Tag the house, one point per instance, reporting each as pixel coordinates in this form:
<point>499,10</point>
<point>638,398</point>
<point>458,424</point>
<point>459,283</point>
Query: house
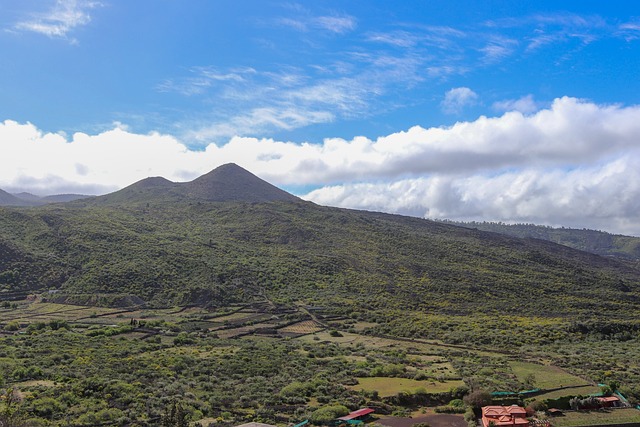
<point>500,416</point>
<point>609,401</point>
<point>356,417</point>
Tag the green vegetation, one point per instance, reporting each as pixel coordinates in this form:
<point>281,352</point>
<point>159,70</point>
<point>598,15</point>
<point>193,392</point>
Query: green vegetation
<point>597,242</point>
<point>160,304</point>
<point>392,386</point>
<point>544,376</point>
<point>597,418</point>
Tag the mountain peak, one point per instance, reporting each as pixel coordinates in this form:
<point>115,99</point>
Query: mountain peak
<point>231,182</point>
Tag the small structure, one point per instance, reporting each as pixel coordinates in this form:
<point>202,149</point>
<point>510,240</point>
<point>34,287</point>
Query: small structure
<point>503,416</point>
<point>609,401</point>
<point>356,417</point>
<point>555,412</point>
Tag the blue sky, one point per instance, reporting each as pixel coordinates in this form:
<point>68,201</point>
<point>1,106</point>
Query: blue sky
<point>518,111</point>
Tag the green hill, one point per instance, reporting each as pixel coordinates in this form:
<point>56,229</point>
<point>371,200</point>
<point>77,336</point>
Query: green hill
<point>597,242</point>
<point>166,245</point>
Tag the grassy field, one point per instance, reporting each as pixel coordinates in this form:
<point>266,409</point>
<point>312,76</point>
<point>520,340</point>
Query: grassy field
<point>578,391</point>
<point>545,377</point>
<point>431,347</point>
<point>597,418</point>
<point>304,327</point>
<point>391,386</point>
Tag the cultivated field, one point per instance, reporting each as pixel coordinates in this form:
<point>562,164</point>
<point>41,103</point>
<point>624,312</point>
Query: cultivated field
<point>301,328</point>
<point>574,391</point>
<point>392,386</point>
<point>597,418</point>
<point>545,376</point>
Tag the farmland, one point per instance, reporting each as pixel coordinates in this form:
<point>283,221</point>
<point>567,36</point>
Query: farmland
<point>597,418</point>
<point>391,386</point>
<point>100,358</point>
<point>544,376</point>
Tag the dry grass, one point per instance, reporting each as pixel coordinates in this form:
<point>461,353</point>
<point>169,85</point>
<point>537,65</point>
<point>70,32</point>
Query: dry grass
<point>304,327</point>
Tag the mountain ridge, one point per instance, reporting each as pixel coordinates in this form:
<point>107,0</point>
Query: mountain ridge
<point>214,253</point>
<point>228,182</point>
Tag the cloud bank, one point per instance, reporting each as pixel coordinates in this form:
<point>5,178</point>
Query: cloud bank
<point>573,164</point>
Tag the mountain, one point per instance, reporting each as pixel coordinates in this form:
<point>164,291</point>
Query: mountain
<point>7,199</point>
<point>230,182</point>
<point>227,183</point>
<point>229,237</point>
<point>63,198</point>
<point>597,242</point>
<point>28,199</point>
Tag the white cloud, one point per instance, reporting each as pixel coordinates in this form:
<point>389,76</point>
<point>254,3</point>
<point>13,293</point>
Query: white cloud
<point>457,99</point>
<point>497,49</point>
<point>574,164</point>
<point>336,24</point>
<point>525,105</point>
<point>65,16</point>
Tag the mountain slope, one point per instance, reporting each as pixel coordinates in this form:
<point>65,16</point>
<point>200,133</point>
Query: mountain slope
<point>226,183</point>
<point>7,199</point>
<point>230,182</point>
<point>155,242</point>
<point>593,241</point>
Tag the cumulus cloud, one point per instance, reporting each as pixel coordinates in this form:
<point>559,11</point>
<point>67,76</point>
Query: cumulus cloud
<point>457,99</point>
<point>573,164</point>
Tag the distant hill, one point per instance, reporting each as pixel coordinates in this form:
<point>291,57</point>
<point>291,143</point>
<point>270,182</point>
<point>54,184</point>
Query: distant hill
<point>63,198</point>
<point>7,199</point>
<point>28,199</point>
<point>226,183</point>
<point>230,182</point>
<point>597,242</point>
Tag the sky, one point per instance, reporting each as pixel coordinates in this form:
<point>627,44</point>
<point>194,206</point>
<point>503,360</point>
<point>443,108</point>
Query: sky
<point>512,111</point>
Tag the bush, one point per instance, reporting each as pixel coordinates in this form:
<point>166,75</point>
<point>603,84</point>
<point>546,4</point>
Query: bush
<point>448,409</point>
<point>14,325</point>
<point>326,414</point>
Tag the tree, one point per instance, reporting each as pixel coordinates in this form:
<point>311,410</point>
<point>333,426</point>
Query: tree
<point>176,416</point>
<point>327,414</point>
<point>530,381</point>
<point>478,398</point>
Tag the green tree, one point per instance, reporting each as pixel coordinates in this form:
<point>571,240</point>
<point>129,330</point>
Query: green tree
<point>478,398</point>
<point>327,414</point>
<point>175,416</point>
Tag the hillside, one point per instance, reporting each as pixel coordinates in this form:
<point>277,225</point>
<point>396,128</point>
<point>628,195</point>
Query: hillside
<point>170,246</point>
<point>28,199</point>
<point>7,199</point>
<point>597,242</point>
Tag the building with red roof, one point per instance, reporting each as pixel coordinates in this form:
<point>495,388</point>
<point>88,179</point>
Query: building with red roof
<point>503,416</point>
<point>359,415</point>
<point>609,401</point>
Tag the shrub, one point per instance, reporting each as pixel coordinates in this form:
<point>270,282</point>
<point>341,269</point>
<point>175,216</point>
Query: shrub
<point>326,414</point>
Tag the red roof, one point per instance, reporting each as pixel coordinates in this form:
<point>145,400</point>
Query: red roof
<point>503,416</point>
<point>356,414</point>
<point>609,399</point>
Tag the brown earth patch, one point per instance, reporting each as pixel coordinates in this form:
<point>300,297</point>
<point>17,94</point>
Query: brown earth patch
<point>436,420</point>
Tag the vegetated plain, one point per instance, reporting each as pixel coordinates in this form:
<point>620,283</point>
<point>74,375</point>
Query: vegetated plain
<point>164,292</point>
